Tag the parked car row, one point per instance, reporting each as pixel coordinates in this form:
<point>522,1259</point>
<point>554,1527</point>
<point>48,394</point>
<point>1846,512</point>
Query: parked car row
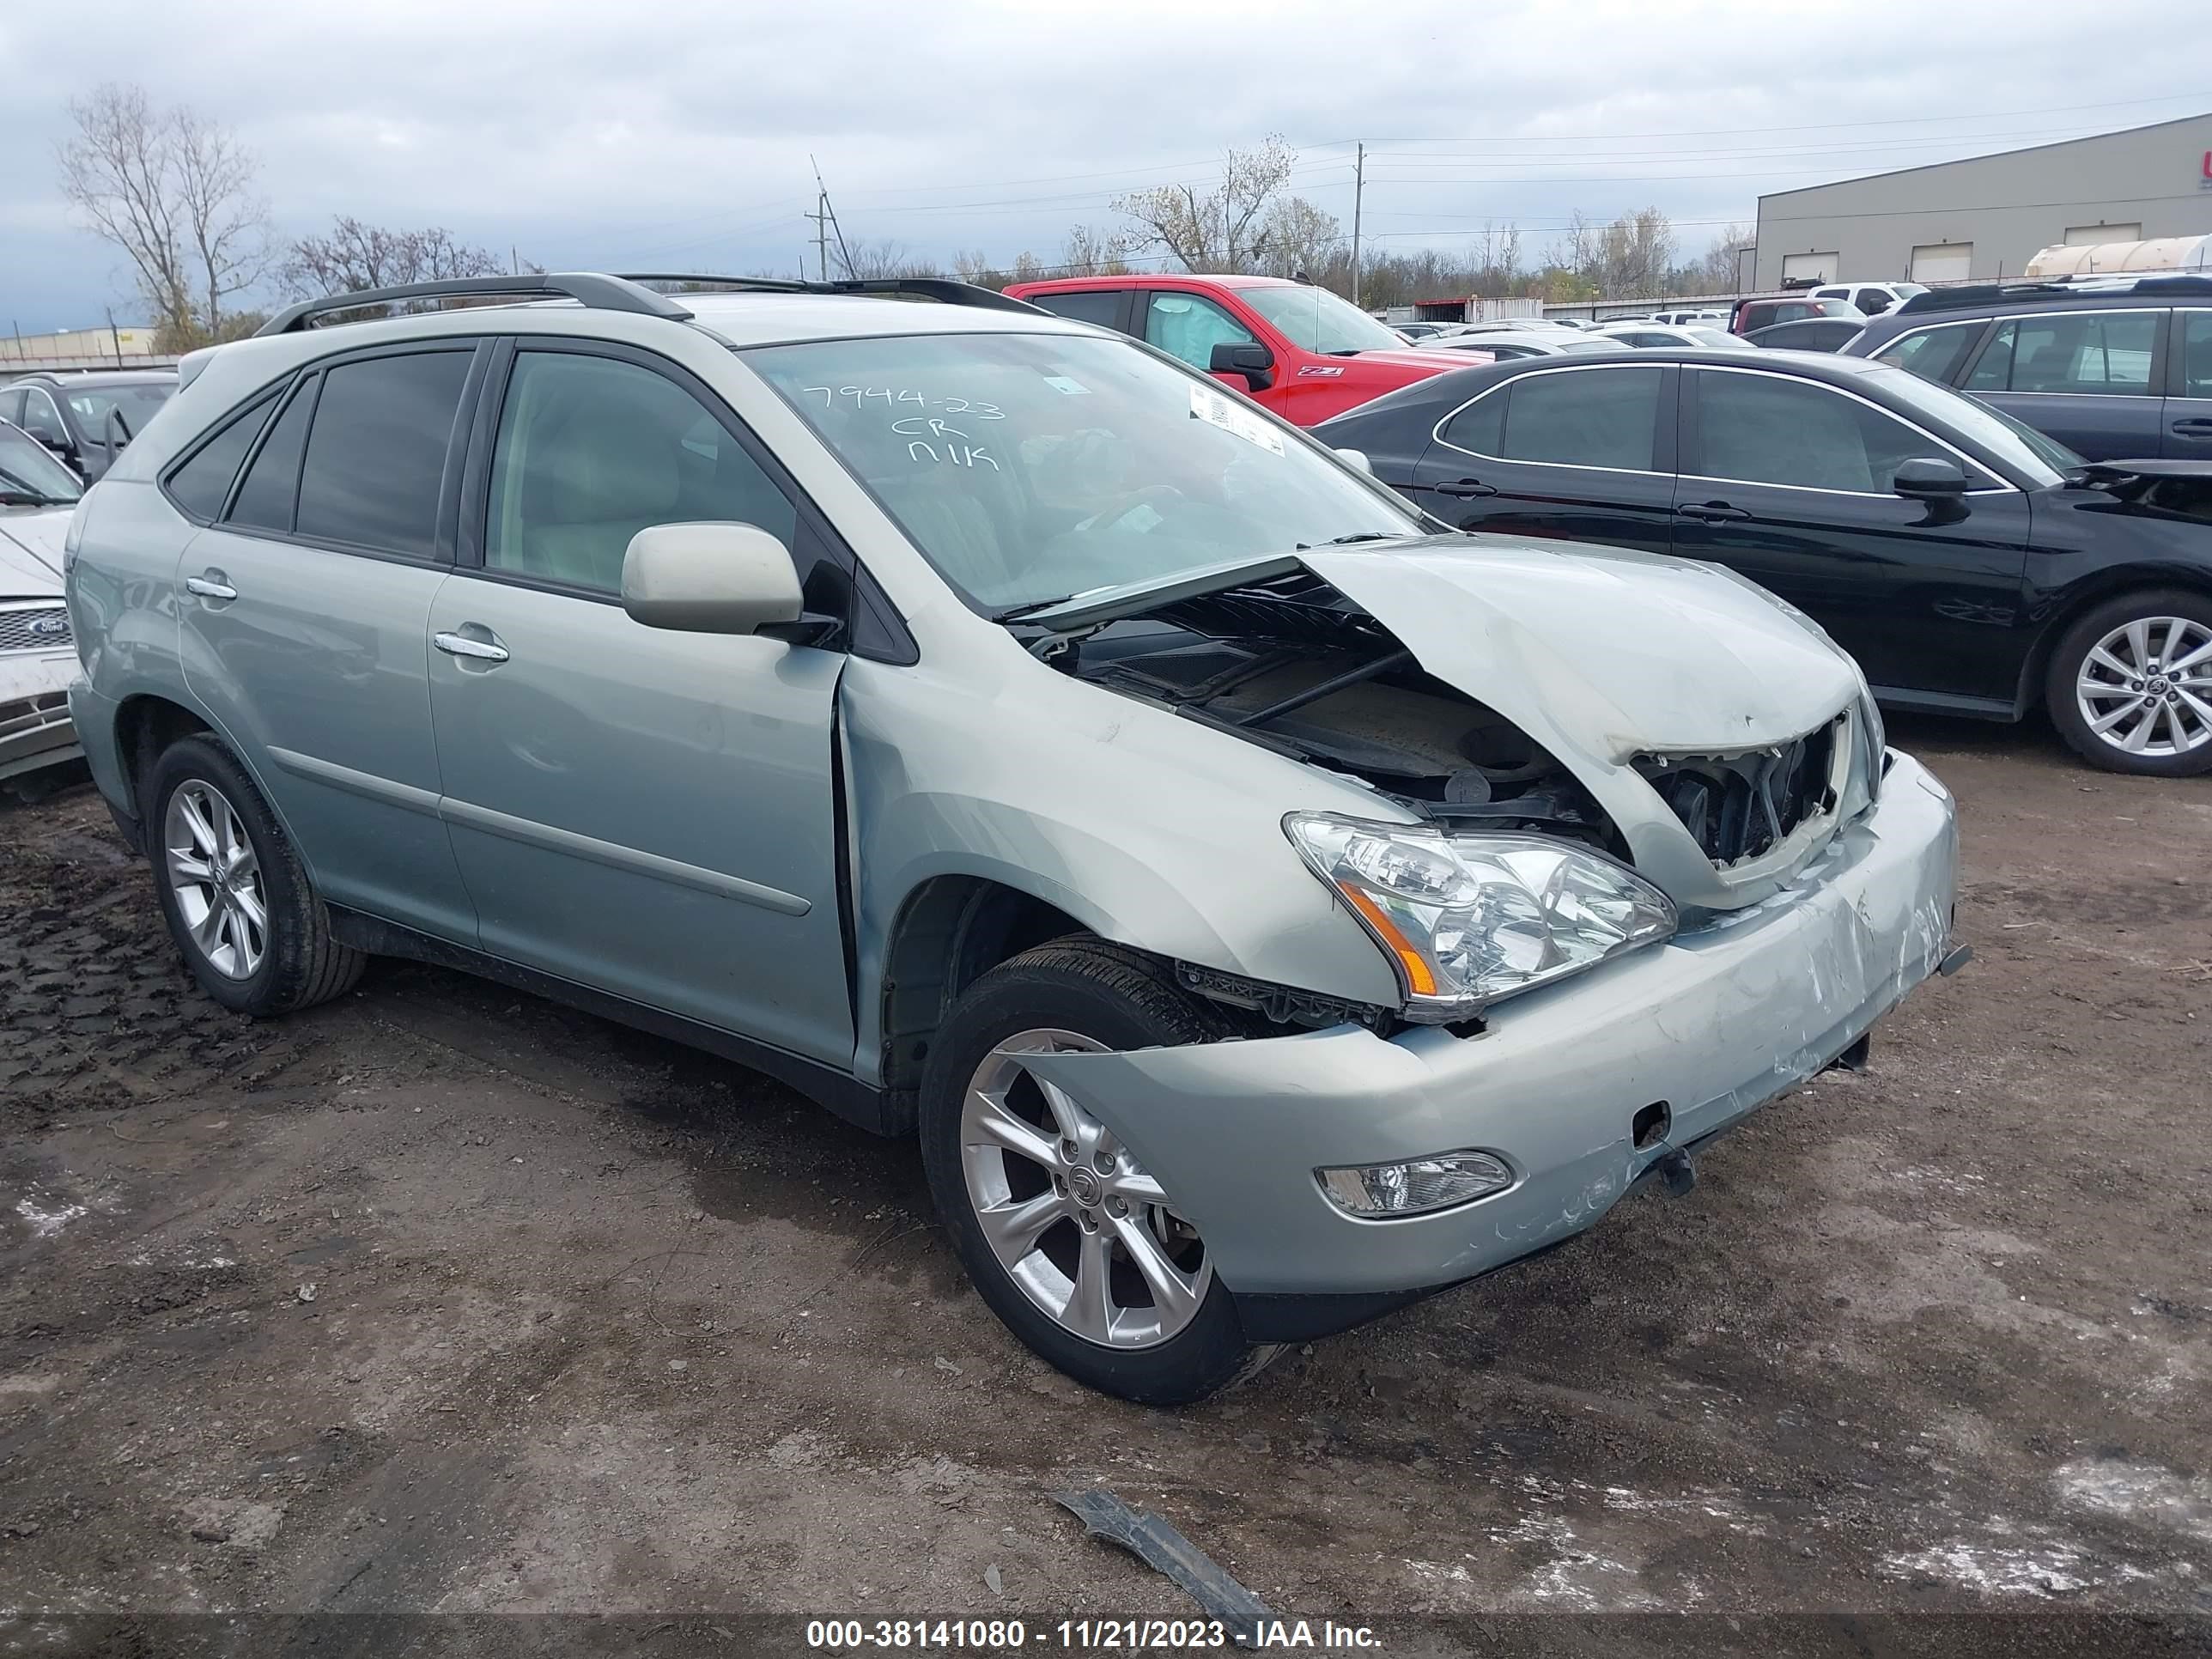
<point>1970,564</point>
<point>1263,904</point>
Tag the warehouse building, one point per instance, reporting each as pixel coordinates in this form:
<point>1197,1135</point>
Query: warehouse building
<point>1987,216</point>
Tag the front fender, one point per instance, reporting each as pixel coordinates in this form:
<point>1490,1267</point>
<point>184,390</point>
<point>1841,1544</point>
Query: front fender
<point>1150,830</point>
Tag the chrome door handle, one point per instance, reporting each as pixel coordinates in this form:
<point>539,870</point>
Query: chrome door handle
<point>1465,488</point>
<point>210,587</point>
<point>460,644</point>
<point>2193,429</point>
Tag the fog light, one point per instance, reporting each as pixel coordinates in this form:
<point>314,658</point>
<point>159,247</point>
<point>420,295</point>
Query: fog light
<point>1374,1191</point>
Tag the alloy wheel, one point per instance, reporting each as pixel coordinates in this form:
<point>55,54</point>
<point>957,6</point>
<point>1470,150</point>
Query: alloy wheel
<point>217,878</point>
<point>2146,688</point>
<point>1088,1236</point>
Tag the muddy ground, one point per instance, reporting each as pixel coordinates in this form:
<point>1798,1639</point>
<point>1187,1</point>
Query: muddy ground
<point>444,1300</point>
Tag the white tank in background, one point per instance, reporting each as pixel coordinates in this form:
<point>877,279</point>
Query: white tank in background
<point>2163,253</point>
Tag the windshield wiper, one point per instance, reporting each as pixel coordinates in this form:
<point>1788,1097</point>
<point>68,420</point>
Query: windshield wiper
<point>13,497</point>
<point>1356,536</point>
<point>1015,612</point>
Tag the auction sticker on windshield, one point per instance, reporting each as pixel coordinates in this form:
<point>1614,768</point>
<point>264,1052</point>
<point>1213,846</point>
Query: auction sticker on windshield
<point>1248,424</point>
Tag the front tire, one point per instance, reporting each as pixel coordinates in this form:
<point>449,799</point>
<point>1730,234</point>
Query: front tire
<point>232,890</point>
<point>1076,1247</point>
<point>2129,684</point>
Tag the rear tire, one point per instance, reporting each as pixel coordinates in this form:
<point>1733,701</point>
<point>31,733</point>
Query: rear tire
<point>1162,1330</point>
<point>232,890</point>
<point>2114,668</point>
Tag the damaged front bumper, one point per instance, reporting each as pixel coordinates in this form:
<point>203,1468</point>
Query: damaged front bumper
<point>1714,1023</point>
<point>35,732</point>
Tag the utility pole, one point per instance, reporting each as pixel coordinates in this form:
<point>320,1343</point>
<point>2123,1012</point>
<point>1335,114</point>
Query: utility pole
<point>825,215</point>
<point>1358,190</point>
<point>821,217</point>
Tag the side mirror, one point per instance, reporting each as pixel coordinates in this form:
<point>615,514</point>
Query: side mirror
<point>1929,477</point>
<point>1246,357</point>
<point>709,579</point>
<point>1355,457</point>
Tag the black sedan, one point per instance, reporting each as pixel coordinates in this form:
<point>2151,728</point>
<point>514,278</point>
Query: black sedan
<point>1971,565</point>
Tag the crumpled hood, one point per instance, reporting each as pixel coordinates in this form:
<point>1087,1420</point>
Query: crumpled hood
<point>1601,654</point>
<point>31,552</point>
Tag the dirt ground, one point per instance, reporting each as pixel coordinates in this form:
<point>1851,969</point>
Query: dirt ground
<point>443,1300</point>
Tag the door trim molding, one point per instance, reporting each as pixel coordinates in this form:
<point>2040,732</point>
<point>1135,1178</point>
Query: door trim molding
<point>530,833</point>
<point>367,784</point>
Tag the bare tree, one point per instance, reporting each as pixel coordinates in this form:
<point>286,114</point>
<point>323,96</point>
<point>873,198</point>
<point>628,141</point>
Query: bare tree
<point>1295,236</point>
<point>864,258</point>
<point>1719,271</point>
<point>1215,231</point>
<point>1636,255</point>
<point>1090,253</point>
<point>356,256</point>
<point>175,192</point>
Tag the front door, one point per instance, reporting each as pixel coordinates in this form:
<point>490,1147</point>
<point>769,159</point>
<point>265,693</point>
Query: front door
<point>645,812</point>
<point>1577,453</point>
<point>1189,326</point>
<point>1789,482</point>
<point>303,607</point>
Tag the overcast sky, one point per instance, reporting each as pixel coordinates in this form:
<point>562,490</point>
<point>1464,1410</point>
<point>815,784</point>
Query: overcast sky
<point>677,134</point>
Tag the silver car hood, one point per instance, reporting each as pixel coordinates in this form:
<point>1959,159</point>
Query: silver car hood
<point>31,552</point>
<point>1601,655</point>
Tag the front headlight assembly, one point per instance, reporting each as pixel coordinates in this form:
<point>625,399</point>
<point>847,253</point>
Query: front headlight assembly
<point>1471,918</point>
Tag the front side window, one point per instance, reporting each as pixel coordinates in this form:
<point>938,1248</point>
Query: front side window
<point>1605,417</point>
<point>42,419</point>
<point>1933,354</point>
<point>1187,326</point>
<point>376,457</point>
<point>1762,429</point>
<point>591,450</point>
<point>30,476</point>
<point>2107,352</point>
<point>1314,319</point>
<point>1027,467</point>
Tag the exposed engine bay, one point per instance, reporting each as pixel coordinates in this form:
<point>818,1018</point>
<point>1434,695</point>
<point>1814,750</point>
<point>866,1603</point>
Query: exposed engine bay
<point>1292,664</point>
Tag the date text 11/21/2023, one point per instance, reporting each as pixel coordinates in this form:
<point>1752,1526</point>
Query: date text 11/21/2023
<point>1084,1635</point>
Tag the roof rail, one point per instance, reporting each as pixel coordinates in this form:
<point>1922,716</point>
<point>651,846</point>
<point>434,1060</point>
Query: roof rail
<point>597,292</point>
<point>944,290</point>
<point>2089,286</point>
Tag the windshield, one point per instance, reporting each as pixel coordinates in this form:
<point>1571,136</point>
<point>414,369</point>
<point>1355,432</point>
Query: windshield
<point>1314,319</point>
<point>1029,467</point>
<point>90,404</point>
<point>2040,459</point>
<point>1715,336</point>
<point>28,475</point>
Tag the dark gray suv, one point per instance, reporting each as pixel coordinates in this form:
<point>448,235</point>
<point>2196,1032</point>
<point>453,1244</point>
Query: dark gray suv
<point>2113,369</point>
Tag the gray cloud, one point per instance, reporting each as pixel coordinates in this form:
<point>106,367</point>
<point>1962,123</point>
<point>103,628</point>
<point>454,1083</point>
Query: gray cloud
<point>680,133</point>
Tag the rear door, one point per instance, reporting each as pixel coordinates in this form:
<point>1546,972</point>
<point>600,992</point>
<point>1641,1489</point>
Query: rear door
<point>2188,434</point>
<point>1580,454</point>
<point>645,812</point>
<point>305,610</point>
<point>1789,482</point>
<point>2092,379</point>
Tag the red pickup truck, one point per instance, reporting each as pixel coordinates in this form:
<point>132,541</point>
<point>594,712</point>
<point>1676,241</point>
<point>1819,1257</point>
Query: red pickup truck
<point>1299,350</point>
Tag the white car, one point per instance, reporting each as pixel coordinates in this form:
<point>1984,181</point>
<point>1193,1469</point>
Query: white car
<point>38,657</point>
<point>1697,336</point>
<point>1506,343</point>
<point>1872,297</point>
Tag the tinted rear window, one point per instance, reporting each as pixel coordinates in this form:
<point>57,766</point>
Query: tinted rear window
<point>265,500</point>
<point>377,457</point>
<point>200,485</point>
<point>1102,306</point>
<point>1590,417</point>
